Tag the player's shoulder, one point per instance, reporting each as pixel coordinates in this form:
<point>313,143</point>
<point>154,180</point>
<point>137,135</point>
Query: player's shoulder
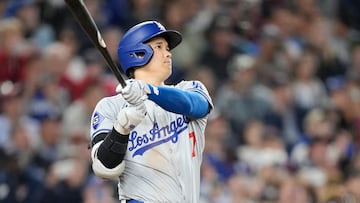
<point>196,86</point>
<point>190,84</point>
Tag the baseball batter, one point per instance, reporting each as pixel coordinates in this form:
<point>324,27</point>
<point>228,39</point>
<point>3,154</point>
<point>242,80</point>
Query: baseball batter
<point>150,136</point>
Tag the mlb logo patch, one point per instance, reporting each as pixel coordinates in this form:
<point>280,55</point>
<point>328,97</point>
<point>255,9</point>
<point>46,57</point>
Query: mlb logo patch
<point>96,120</point>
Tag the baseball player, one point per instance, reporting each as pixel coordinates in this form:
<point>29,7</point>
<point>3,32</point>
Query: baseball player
<point>150,136</point>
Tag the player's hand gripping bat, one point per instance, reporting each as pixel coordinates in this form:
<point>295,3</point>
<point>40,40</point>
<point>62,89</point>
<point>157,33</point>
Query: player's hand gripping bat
<point>83,17</point>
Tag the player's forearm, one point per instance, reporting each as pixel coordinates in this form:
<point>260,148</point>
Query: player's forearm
<point>112,151</point>
<point>108,155</point>
<point>189,103</point>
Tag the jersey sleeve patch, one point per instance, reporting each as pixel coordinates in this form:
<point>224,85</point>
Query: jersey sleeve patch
<point>96,120</point>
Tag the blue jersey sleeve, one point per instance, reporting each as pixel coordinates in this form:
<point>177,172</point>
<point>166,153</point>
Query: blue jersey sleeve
<point>189,103</point>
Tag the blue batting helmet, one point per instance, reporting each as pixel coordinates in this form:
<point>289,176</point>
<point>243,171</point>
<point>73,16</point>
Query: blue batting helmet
<point>133,50</point>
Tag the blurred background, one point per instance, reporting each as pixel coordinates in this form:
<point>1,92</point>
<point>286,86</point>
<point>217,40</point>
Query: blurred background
<point>284,76</point>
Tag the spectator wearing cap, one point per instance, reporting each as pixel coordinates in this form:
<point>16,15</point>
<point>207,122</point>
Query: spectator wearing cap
<point>242,98</point>
<point>35,30</point>
<point>220,48</point>
<point>14,50</point>
<point>308,90</point>
<point>13,115</point>
<point>279,41</point>
<point>317,126</point>
<point>48,150</point>
<point>283,115</point>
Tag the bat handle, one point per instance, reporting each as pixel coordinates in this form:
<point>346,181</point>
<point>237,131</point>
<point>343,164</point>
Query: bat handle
<point>120,79</point>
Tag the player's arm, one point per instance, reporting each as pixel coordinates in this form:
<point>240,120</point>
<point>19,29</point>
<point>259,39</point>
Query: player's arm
<point>191,102</point>
<point>108,150</point>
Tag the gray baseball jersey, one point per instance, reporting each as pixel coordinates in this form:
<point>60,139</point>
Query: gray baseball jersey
<point>162,162</point>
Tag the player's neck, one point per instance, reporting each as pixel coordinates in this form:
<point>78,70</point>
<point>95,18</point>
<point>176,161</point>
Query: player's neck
<point>148,78</point>
<point>151,80</point>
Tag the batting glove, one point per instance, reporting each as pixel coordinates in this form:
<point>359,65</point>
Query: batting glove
<point>129,117</point>
<point>135,91</point>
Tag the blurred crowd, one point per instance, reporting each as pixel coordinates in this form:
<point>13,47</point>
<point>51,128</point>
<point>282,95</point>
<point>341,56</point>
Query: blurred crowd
<point>284,76</point>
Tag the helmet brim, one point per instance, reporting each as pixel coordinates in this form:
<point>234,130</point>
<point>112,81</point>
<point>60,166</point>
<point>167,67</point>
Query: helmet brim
<point>172,37</point>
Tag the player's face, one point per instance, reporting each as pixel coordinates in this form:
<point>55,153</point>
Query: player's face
<point>160,63</point>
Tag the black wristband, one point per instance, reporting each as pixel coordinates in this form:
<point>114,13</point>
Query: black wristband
<point>112,151</point>
<point>116,142</point>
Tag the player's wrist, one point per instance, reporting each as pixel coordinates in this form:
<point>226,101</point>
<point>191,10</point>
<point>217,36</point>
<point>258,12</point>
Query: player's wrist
<point>118,137</point>
<point>116,141</point>
<point>120,129</point>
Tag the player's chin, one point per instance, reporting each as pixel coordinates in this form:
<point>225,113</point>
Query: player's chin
<point>168,71</point>
<point>168,67</point>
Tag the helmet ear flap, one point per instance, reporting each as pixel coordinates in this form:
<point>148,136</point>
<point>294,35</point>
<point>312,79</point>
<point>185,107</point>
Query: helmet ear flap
<point>135,55</point>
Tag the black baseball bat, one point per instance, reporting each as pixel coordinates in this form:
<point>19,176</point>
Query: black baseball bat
<point>87,23</point>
